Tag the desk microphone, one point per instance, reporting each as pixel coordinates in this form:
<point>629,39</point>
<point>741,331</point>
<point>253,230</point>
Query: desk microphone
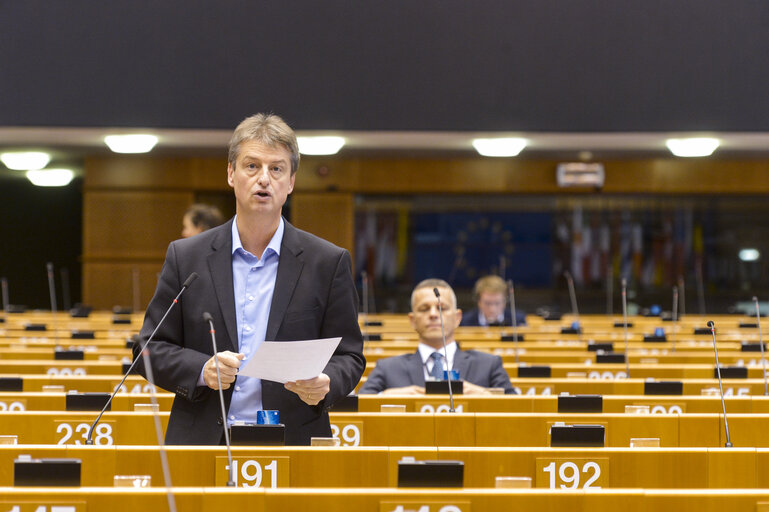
<point>511,290</point>
<point>445,352</point>
<point>761,341</point>
<point>4,286</point>
<point>156,416</point>
<point>624,321</point>
<point>207,317</point>
<point>682,290</point>
<point>136,289</point>
<point>675,318</point>
<point>700,287</point>
<point>364,285</point>
<point>720,385</point>
<point>66,302</point>
<point>187,283</point>
<point>52,294</point>
<point>573,297</point>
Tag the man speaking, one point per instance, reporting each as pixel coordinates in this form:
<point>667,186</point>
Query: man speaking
<point>261,279</point>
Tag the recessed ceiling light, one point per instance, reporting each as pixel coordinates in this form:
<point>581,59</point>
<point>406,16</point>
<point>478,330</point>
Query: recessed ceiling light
<point>695,146</point>
<point>507,146</point>
<point>133,143</point>
<point>50,177</point>
<point>326,145</point>
<point>749,254</point>
<point>25,160</point>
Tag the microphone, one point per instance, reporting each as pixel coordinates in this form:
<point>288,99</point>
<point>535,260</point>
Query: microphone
<point>720,385</point>
<point>156,417</point>
<point>675,318</point>
<point>364,285</point>
<point>700,287</point>
<point>445,352</point>
<point>682,289</point>
<point>624,319</point>
<point>761,341</point>
<point>52,294</point>
<point>207,317</point>
<point>136,289</point>
<point>187,283</point>
<point>4,285</point>
<point>65,295</point>
<point>511,291</point>
<point>573,297</point>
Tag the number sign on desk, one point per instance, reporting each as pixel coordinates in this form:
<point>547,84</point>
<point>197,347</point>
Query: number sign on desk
<point>544,390</point>
<point>70,432</point>
<point>18,404</point>
<point>424,506</point>
<point>572,473</point>
<point>433,406</point>
<point>37,506</point>
<point>267,472</point>
<point>349,434</point>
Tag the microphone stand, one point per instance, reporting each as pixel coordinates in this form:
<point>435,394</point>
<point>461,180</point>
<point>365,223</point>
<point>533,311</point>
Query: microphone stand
<point>4,286</point>
<point>720,386</point>
<point>207,317</point>
<point>511,291</point>
<point>674,334</point>
<point>682,288</point>
<point>761,341</point>
<point>573,297</point>
<point>624,319</point>
<point>52,294</point>
<point>364,285</point>
<point>187,283</point>
<point>159,430</point>
<point>445,352</point>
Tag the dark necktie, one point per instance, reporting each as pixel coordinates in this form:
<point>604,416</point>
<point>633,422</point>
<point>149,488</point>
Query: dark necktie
<point>437,371</point>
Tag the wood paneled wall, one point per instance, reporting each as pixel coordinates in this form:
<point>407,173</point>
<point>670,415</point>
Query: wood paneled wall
<point>132,206</point>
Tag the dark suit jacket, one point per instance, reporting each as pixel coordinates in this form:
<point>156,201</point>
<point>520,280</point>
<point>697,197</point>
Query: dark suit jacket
<point>314,297</point>
<point>470,318</point>
<point>477,367</point>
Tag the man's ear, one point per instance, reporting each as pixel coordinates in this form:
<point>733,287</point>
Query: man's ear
<point>411,321</point>
<point>457,317</point>
<point>291,183</point>
<point>230,172</point>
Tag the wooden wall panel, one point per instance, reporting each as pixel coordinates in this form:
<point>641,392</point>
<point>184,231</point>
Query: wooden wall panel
<point>107,284</point>
<point>129,225</point>
<point>328,215</point>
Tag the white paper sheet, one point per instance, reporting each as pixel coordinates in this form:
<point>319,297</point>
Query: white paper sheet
<point>286,361</point>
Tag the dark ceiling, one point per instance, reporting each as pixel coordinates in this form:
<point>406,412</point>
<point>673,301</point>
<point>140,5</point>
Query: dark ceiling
<point>455,65</point>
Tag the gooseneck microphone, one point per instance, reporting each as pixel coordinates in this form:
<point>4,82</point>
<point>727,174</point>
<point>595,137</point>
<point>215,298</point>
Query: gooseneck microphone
<point>207,317</point>
<point>673,335</point>
<point>4,286</point>
<point>511,290</point>
<point>573,297</point>
<point>720,385</point>
<point>364,286</point>
<point>445,352</point>
<point>187,283</point>
<point>761,341</point>
<point>682,290</point>
<point>624,321</point>
<point>52,294</point>
<point>158,427</point>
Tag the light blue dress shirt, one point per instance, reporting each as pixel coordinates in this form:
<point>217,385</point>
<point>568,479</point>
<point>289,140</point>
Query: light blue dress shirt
<point>253,279</point>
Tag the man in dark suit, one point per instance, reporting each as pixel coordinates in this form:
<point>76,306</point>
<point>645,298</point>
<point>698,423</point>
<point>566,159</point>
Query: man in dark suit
<point>406,374</point>
<point>491,295</point>
<point>261,279</point>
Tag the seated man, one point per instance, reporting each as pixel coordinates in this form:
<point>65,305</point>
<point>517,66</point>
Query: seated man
<point>491,294</point>
<point>406,374</point>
